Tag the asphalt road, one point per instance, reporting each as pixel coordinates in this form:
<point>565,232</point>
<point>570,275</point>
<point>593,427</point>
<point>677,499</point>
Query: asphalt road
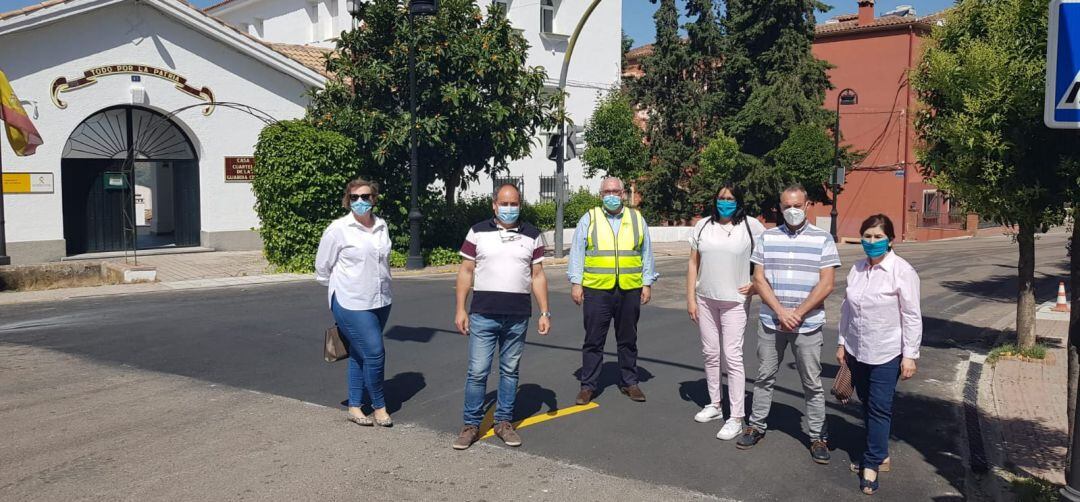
<point>268,339</point>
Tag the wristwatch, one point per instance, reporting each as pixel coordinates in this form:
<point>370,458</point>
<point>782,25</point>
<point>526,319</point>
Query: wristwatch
<point>545,314</point>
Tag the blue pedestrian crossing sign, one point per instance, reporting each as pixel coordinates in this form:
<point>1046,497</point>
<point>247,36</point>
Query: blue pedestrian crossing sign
<point>1062,107</point>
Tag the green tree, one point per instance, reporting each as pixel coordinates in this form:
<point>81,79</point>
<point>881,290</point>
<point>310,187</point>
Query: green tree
<point>807,156</point>
<point>479,104</point>
<point>721,160</point>
<point>627,44</point>
<point>772,83</point>
<point>982,82</point>
<point>673,90</point>
<point>613,142</point>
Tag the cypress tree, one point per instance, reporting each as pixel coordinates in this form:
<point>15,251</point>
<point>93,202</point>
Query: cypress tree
<point>772,81</point>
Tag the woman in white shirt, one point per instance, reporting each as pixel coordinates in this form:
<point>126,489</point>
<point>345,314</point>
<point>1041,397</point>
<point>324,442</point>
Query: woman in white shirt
<point>354,262</point>
<point>880,334</point>
<point>718,292</point>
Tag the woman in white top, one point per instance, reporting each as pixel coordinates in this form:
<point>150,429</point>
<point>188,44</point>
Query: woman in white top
<point>880,334</point>
<point>718,292</point>
<point>354,262</point>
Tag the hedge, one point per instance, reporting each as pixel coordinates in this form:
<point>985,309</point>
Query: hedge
<point>300,172</point>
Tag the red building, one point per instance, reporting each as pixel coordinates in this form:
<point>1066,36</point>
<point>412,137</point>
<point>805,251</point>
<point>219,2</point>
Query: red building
<point>873,56</point>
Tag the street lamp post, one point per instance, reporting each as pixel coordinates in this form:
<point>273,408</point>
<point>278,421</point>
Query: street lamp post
<point>560,173</point>
<point>845,97</point>
<point>416,258</point>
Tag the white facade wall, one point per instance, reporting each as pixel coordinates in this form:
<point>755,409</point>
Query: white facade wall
<point>595,69</point>
<point>133,33</point>
<point>301,22</point>
<point>596,66</point>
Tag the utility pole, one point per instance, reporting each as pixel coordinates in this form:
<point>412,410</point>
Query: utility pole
<point>560,159</point>
<point>4,258</point>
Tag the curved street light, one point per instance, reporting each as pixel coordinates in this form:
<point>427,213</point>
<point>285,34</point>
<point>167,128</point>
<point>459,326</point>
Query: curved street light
<point>560,174</point>
<point>846,97</point>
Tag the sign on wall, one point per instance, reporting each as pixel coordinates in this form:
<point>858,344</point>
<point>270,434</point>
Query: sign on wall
<point>15,183</point>
<point>62,84</point>
<point>239,169</point>
<point>1061,109</point>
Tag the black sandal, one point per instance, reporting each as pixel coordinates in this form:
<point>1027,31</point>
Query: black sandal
<point>868,487</point>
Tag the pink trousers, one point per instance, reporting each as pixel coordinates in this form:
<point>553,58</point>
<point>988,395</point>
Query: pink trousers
<point>722,325</point>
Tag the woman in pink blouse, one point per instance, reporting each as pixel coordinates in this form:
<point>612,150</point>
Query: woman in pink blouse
<point>880,334</point>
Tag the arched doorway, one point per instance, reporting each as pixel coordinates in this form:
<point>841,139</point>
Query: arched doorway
<point>130,180</point>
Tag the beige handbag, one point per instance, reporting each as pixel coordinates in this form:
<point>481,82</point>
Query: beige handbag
<point>334,348</point>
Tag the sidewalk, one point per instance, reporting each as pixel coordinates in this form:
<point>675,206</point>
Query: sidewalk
<point>232,268</point>
<point>1028,407</point>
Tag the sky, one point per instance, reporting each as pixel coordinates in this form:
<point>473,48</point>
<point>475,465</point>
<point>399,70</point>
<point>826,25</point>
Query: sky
<point>637,14</point>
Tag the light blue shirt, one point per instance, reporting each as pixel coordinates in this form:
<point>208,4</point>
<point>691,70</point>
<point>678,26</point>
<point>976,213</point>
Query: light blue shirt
<point>576,267</point>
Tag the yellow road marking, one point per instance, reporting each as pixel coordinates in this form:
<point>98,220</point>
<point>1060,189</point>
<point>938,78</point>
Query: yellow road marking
<point>485,426</point>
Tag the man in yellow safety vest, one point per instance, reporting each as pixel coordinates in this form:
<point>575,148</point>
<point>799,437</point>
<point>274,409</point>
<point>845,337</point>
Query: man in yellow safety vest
<point>611,270</point>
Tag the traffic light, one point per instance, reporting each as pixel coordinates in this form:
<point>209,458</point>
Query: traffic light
<point>553,145</point>
<point>575,142</point>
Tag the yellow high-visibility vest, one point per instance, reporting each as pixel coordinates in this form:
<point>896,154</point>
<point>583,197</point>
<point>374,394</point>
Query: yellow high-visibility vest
<point>611,259</point>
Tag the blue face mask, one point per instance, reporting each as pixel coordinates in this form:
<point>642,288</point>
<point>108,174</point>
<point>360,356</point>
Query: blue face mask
<point>612,202</point>
<point>361,207</point>
<point>875,249</point>
<point>509,214</point>
<point>726,208</point>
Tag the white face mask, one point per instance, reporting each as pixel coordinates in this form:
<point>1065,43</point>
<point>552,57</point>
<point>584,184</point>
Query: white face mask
<point>794,216</point>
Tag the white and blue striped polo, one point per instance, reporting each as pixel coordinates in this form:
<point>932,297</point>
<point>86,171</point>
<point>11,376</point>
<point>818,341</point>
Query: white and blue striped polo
<point>793,261</point>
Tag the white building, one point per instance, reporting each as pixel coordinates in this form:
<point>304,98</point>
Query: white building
<point>547,24</point>
<point>98,76</point>
<point>119,90</point>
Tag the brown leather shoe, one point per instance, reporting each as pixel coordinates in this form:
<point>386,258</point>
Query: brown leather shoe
<point>469,435</point>
<point>634,393</point>
<point>505,431</point>
<point>584,397</point>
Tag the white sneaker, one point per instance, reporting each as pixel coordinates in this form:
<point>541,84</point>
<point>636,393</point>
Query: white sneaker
<point>731,429</point>
<point>709,413</point>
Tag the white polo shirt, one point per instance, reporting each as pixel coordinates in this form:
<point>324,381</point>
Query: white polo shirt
<point>502,282</point>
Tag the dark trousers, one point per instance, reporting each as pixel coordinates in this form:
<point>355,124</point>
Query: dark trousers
<point>600,308</point>
<point>876,385</point>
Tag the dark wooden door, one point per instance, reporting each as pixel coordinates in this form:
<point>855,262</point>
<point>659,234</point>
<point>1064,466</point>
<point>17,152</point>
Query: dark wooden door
<point>94,216</point>
<point>186,202</point>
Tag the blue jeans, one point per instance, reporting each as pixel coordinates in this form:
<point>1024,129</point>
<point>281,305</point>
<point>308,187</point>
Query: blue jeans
<point>876,386</point>
<point>484,332</point>
<point>362,331</point>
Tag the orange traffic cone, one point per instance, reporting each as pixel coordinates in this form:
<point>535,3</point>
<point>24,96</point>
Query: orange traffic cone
<point>1062,303</point>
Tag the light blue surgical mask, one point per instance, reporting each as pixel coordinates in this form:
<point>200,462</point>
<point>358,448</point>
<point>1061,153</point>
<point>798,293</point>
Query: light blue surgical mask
<point>612,202</point>
<point>509,214</point>
<point>726,208</point>
<point>361,207</point>
<point>875,249</point>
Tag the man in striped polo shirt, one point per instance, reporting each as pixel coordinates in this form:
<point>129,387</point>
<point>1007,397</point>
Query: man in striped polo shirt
<point>503,264</point>
<point>795,264</point>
